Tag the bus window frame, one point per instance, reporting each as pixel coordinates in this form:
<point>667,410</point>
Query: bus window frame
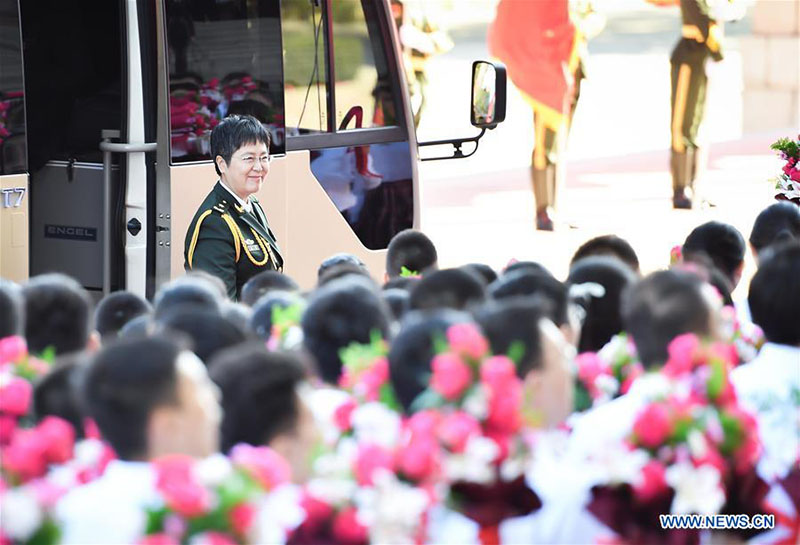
<point>398,132</point>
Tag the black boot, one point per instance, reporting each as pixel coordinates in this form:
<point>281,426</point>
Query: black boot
<point>680,168</point>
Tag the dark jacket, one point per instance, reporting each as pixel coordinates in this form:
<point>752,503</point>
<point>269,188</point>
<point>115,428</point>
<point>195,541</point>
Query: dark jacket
<point>230,243</point>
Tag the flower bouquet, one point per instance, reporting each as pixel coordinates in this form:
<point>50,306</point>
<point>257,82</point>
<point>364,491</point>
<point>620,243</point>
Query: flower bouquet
<point>692,450</point>
<point>470,422</point>
<point>787,184</point>
<point>286,332</point>
<point>607,374</point>
<point>214,500</point>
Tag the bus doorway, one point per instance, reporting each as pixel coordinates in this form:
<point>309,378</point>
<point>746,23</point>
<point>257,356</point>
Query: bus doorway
<point>84,83</point>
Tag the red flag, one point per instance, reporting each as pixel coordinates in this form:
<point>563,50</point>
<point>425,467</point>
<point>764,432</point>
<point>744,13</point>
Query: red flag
<point>539,46</point>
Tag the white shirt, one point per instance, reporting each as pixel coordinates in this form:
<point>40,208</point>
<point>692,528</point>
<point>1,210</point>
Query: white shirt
<point>769,386</point>
<point>110,510</point>
<point>246,204</point>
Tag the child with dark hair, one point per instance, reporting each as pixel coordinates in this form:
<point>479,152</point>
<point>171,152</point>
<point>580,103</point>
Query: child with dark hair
<point>263,402</point>
<point>11,309</point>
<point>209,332</point>
<point>519,327</point>
<point>405,283</point>
<point>610,245</point>
<point>483,270</point>
<point>117,309</point>
<point>342,270</point>
<point>411,250</point>
<point>263,311</point>
<point>533,283</point>
<point>458,289</point>
<point>58,314</point>
<point>413,349</point>
<point>149,398</point>
<point>344,311</point>
<point>602,317</point>
<point>769,385</point>
<point>529,266</point>
<point>339,259</point>
<point>722,243</point>
<point>187,291</point>
<point>777,223</point>
<point>398,301</point>
<point>265,282</point>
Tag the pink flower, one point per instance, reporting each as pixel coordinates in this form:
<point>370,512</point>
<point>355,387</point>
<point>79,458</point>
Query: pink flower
<point>590,366</point>
<point>418,460</point>
<point>47,493</point>
<point>25,456</point>
<point>653,425</point>
<point>342,414</point>
<point>12,349</point>
<point>505,407</point>
<point>182,493</point>
<point>682,352</point>
<point>213,538</point>
<point>241,518</point>
<point>467,340</point>
<point>159,539</point>
<point>424,423</point>
<point>264,464</point>
<point>175,525</point>
<point>15,396</point>
<point>451,376</point>
<point>373,378</point>
<point>634,371</point>
<point>369,459</point>
<point>347,528</point>
<point>653,481</point>
<point>60,439</point>
<point>456,429</point>
<point>498,372</point>
<point>317,512</point>
<point>795,175</point>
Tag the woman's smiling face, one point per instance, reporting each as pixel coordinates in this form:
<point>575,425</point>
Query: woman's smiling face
<point>248,167</point>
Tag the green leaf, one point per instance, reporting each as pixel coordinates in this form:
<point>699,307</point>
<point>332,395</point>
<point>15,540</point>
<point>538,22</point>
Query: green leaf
<point>440,344</point>
<point>716,381</point>
<point>48,354</point>
<point>387,397</point>
<point>48,534</point>
<point>583,400</point>
<point>429,399</point>
<point>516,352</point>
<point>405,273</point>
<point>155,520</point>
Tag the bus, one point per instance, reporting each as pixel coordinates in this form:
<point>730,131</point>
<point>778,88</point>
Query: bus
<point>106,108</point>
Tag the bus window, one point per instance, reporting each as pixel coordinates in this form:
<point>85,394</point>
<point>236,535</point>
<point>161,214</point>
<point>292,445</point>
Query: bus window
<point>364,95</point>
<point>13,158</point>
<point>224,58</point>
<point>305,67</point>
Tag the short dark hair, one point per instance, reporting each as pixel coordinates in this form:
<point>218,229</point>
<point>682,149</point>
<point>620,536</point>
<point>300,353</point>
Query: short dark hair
<point>232,133</point>
<point>411,249</point>
<point>774,296</point>
<point>660,307</point>
<point>338,259</point>
<point>187,292</point>
<point>125,382</point>
<point>603,318</point>
<point>527,282</point>
<point>722,243</point>
<point>263,283</point>
<point>57,393</point>
<point>205,277</point>
<point>259,394</point>
<point>117,309</point>
<point>209,332</point>
<point>529,266</point>
<point>608,245</point>
<point>514,321</point>
<point>398,301</point>
<point>413,349</point>
<point>345,311</point>
<point>483,270</point>
<point>11,309</point>
<point>448,288</point>
<point>342,270</point>
<point>261,319</point>
<point>57,314</point>
<point>779,222</point>
<point>405,283</point>
<point>141,326</point>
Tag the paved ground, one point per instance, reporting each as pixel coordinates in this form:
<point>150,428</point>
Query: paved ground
<point>481,208</point>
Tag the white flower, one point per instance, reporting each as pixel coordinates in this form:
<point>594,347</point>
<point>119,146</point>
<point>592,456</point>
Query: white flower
<point>332,491</point>
<point>512,468</point>
<point>616,464</point>
<point>375,423</point>
<point>88,452</point>
<point>278,513</point>
<point>391,509</point>
<point>20,513</point>
<point>212,471</point>
<point>608,386</point>
<point>64,477</point>
<point>698,446</point>
<point>697,490</point>
<point>475,463</point>
<point>293,338</point>
<point>477,402</point>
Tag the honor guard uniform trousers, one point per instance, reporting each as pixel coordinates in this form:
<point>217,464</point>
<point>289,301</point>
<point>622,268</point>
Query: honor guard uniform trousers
<point>701,39</point>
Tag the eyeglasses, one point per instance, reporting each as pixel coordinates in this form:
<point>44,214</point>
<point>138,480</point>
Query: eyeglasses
<point>251,159</point>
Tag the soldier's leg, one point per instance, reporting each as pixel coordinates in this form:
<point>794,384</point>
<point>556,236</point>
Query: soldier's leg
<point>679,164</point>
<point>698,99</point>
<point>539,175</point>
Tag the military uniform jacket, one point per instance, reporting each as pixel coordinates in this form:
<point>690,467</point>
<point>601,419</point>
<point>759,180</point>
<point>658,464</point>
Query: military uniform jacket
<point>230,243</point>
<point>702,35</point>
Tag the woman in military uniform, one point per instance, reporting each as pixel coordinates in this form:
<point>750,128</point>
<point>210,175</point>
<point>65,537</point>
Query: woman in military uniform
<point>229,235</point>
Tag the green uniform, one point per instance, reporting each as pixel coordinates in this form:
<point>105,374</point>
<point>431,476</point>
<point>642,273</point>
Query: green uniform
<point>230,243</point>
<point>700,40</point>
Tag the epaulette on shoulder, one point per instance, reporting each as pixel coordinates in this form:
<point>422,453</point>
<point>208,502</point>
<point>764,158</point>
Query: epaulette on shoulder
<point>221,207</point>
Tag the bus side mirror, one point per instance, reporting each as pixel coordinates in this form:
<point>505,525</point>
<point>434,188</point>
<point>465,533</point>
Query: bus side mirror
<point>488,94</point>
